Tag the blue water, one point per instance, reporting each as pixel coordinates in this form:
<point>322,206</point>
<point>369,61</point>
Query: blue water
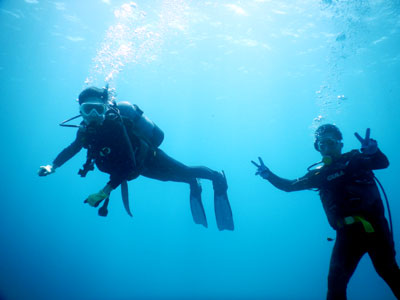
<point>227,81</point>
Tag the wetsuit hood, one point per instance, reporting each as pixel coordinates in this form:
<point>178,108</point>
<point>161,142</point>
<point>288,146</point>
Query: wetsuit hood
<point>93,92</point>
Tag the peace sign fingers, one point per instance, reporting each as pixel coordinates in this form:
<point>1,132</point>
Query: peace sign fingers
<point>261,162</point>
<point>365,141</point>
<point>367,135</point>
<point>262,169</point>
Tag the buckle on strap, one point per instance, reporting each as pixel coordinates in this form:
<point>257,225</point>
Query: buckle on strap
<point>353,219</point>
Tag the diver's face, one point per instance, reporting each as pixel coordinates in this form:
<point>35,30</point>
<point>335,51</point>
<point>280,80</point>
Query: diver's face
<point>328,145</point>
<point>93,111</point>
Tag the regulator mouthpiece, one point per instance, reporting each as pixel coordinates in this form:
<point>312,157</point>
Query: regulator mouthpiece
<point>327,160</point>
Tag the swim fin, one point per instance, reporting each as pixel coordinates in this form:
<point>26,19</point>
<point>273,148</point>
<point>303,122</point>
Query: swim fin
<point>196,205</point>
<point>223,211</point>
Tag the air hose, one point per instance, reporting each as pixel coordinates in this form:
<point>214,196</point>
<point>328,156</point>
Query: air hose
<point>387,205</point>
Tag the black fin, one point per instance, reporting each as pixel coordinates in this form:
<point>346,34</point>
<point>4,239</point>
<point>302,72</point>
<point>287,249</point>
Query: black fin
<point>196,205</point>
<point>222,208</point>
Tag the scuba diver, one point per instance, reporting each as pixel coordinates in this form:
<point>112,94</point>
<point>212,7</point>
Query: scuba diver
<point>352,203</point>
<point>123,142</point>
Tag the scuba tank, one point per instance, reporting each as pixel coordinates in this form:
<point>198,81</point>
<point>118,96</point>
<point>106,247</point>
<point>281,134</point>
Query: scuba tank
<point>143,127</point>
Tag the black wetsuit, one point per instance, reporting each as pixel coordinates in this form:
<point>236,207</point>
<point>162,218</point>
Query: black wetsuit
<point>347,189</point>
<point>116,150</point>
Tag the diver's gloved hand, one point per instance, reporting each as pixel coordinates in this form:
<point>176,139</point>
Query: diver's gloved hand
<point>368,146</point>
<point>95,199</point>
<point>262,170</point>
<point>46,170</point>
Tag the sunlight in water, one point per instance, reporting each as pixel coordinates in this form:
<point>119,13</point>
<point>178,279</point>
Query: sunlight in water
<point>134,39</point>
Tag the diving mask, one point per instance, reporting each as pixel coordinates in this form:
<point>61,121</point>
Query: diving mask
<point>326,143</point>
<point>93,112</point>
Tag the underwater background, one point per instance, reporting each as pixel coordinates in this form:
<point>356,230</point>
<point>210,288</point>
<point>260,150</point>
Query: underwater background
<point>227,81</point>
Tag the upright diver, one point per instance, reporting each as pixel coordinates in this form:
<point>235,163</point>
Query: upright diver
<point>123,142</point>
<point>353,205</point>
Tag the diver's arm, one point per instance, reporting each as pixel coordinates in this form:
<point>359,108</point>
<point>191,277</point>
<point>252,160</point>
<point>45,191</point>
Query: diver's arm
<point>107,189</point>
<point>374,161</point>
<point>378,160</point>
<point>287,185</point>
<point>115,181</point>
<point>64,156</point>
<point>96,198</point>
<point>116,178</point>
<point>371,158</point>
<point>104,193</point>
<point>303,183</point>
<point>69,151</point>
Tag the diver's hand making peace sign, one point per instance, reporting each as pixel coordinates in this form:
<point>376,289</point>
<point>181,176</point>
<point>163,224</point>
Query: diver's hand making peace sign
<point>262,169</point>
<point>368,145</point>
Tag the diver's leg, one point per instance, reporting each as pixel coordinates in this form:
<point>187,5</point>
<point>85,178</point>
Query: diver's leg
<point>163,167</point>
<point>346,254</point>
<point>383,256</point>
<point>160,166</point>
